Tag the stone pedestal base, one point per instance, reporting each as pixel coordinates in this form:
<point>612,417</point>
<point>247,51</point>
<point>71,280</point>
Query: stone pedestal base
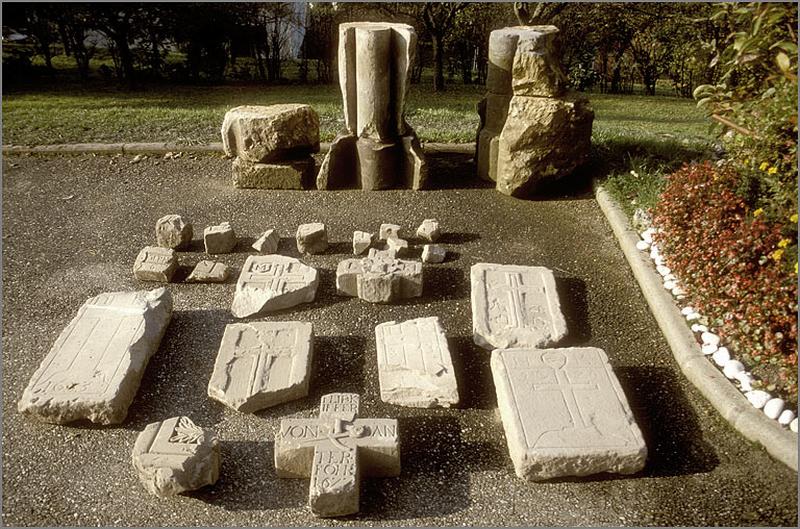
<point>295,174</point>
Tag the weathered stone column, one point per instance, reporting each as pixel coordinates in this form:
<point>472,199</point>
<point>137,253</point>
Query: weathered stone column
<point>378,149</point>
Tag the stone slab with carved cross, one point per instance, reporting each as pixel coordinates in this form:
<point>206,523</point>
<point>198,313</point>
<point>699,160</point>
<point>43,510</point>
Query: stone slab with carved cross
<point>565,414</point>
<point>515,306</point>
<point>335,450</point>
<point>174,456</point>
<point>96,364</point>
<point>273,282</point>
<point>414,364</point>
<point>379,278</point>
<point>262,364</point>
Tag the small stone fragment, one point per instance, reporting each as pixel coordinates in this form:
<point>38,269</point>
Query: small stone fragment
<point>173,232</point>
<point>209,272</point>
<point>429,230</point>
<point>155,263</point>
<point>174,456</point>
<point>312,238</point>
<point>774,407</point>
<point>398,246</point>
<point>268,242</point>
<point>289,174</point>
<point>388,253</point>
<point>273,282</point>
<point>268,133</point>
<point>785,417</point>
<point>732,368</point>
<point>379,279</point>
<point>432,253</point>
<point>758,398</point>
<point>219,238</point>
<point>390,230</point>
<point>361,242</point>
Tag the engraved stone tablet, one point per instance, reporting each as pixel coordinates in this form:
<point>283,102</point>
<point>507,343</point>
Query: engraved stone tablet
<point>379,279</point>
<point>515,306</point>
<point>155,264</point>
<point>564,413</point>
<point>94,368</point>
<point>273,282</point>
<point>174,456</point>
<point>414,364</point>
<point>262,364</point>
<point>208,272</point>
<point>335,450</point>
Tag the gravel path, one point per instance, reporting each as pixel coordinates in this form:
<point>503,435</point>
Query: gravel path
<point>72,227</point>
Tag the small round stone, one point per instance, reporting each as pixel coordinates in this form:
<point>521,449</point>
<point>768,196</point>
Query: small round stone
<point>647,235</point>
<point>774,407</point>
<point>758,398</point>
<point>663,270</point>
<point>745,381</point>
<point>687,310</point>
<point>692,316</point>
<point>785,417</point>
<point>671,277</point>
<point>793,425</point>
<point>642,245</point>
<point>710,337</point>
<point>732,367</point>
<point>669,285</point>
<point>708,349</point>
<point>678,291</point>
<point>699,327</point>
<point>721,355</point>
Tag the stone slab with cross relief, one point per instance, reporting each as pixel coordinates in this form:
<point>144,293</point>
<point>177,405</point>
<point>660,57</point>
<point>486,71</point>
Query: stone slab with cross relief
<point>335,450</point>
<point>273,282</point>
<point>565,414</point>
<point>515,306</point>
<point>262,364</point>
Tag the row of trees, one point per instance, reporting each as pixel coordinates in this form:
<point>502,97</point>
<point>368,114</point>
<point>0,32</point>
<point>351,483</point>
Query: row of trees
<point>607,46</point>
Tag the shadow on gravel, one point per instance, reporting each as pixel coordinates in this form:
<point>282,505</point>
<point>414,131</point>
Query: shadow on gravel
<point>473,373</point>
<point>338,367</point>
<point>572,293</point>
<point>448,170</point>
<point>458,238</point>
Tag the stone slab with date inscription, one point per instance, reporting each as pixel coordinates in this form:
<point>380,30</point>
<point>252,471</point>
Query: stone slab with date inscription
<point>96,364</point>
<point>565,414</point>
<point>335,451</point>
<point>273,282</point>
<point>515,306</point>
<point>379,279</point>
<point>174,456</point>
<point>155,264</point>
<point>414,364</point>
<point>262,364</point>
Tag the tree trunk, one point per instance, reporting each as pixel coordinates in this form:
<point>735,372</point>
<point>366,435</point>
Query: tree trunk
<point>155,55</point>
<point>438,62</point>
<point>126,62</point>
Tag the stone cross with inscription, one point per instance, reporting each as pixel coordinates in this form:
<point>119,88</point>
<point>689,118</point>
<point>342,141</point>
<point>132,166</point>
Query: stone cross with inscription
<point>335,450</point>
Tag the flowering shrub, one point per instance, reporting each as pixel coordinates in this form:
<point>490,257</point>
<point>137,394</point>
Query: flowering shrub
<point>738,267</point>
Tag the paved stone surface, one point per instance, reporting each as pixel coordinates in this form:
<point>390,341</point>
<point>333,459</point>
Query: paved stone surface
<point>155,263</point>
<point>327,450</point>
<point>219,238</point>
<point>429,230</point>
<point>379,279</point>
<point>174,456</point>
<point>172,231</point>
<point>414,364</point>
<point>273,282</point>
<point>262,364</point>
<point>565,414</point>
<point>268,242</point>
<point>269,133</point>
<point>209,272</point>
<point>95,366</point>
<point>456,468</point>
<point>515,306</point>
<point>361,242</point>
<point>312,238</point>
<point>433,253</point>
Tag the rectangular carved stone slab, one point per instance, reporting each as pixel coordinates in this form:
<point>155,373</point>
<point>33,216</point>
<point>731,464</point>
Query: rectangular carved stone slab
<point>94,368</point>
<point>155,263</point>
<point>515,306</point>
<point>262,364</point>
<point>414,364</point>
<point>288,174</point>
<point>564,413</point>
<point>273,282</point>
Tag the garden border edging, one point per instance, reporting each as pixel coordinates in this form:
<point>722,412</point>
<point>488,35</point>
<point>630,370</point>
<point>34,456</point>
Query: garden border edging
<point>715,387</point>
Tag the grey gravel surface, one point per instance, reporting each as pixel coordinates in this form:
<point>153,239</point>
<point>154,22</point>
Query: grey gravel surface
<point>73,225</point>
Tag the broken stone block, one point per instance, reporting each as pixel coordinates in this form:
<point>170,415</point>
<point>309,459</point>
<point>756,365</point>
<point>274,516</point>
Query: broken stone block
<point>268,242</point>
<point>155,263</point>
<point>398,246</point>
<point>95,365</point>
<point>209,272</point>
<point>565,414</point>
<point>174,456</point>
<point>219,238</point>
<point>379,279</point>
<point>414,364</point>
<point>273,282</point>
<point>515,306</point>
<point>432,253</point>
<point>268,133</point>
<point>388,253</point>
<point>289,174</point>
<point>335,451</point>
<point>429,230</point>
<point>389,231</point>
<point>361,242</point>
<point>312,238</point>
<point>173,232</point>
<point>262,364</point>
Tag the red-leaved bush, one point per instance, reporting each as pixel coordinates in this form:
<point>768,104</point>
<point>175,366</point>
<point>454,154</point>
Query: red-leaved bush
<point>732,264</point>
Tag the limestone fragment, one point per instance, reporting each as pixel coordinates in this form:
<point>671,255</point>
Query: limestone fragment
<point>155,263</point>
<point>398,246</point>
<point>429,230</point>
<point>288,174</point>
<point>273,282</point>
<point>268,242</point>
<point>515,306</point>
<point>565,414</point>
<point>219,239</point>
<point>268,133</point>
<point>174,456</point>
<point>172,231</point>
<point>414,364</point>
<point>379,279</point>
<point>209,272</point>
<point>388,231</point>
<point>335,451</point>
<point>262,364</point>
<point>361,242</point>
<point>433,253</point>
<point>312,238</point>
<point>388,253</point>
<point>95,365</point>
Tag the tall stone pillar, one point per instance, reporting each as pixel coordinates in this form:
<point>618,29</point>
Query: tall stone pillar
<point>378,149</point>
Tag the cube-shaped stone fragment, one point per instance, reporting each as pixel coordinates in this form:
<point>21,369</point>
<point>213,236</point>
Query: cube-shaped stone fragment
<point>379,279</point>
<point>268,242</point>
<point>155,263</point>
<point>390,230</point>
<point>398,246</point>
<point>262,364</point>
<point>565,414</point>
<point>429,230</point>
<point>361,242</point>
<point>270,133</point>
<point>219,239</point>
<point>388,253</point>
<point>209,272</point>
<point>291,174</point>
<point>433,253</point>
<point>312,238</point>
<point>273,282</point>
<point>174,456</point>
<point>172,231</point>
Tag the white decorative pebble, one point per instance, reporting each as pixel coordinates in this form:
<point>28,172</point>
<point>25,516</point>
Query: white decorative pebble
<point>757,398</point>
<point>698,327</point>
<point>647,235</point>
<point>678,291</point>
<point>732,367</point>
<point>785,417</point>
<point>669,285</point>
<point>708,349</point>
<point>680,297</point>
<point>710,337</point>
<point>745,380</point>
<point>654,246</point>
<point>663,270</point>
<point>671,277</point>
<point>721,355</point>
<point>773,408</point>
<point>693,316</point>
<point>687,310</point>
<point>658,260</point>
<point>793,425</point>
<point>641,245</point>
